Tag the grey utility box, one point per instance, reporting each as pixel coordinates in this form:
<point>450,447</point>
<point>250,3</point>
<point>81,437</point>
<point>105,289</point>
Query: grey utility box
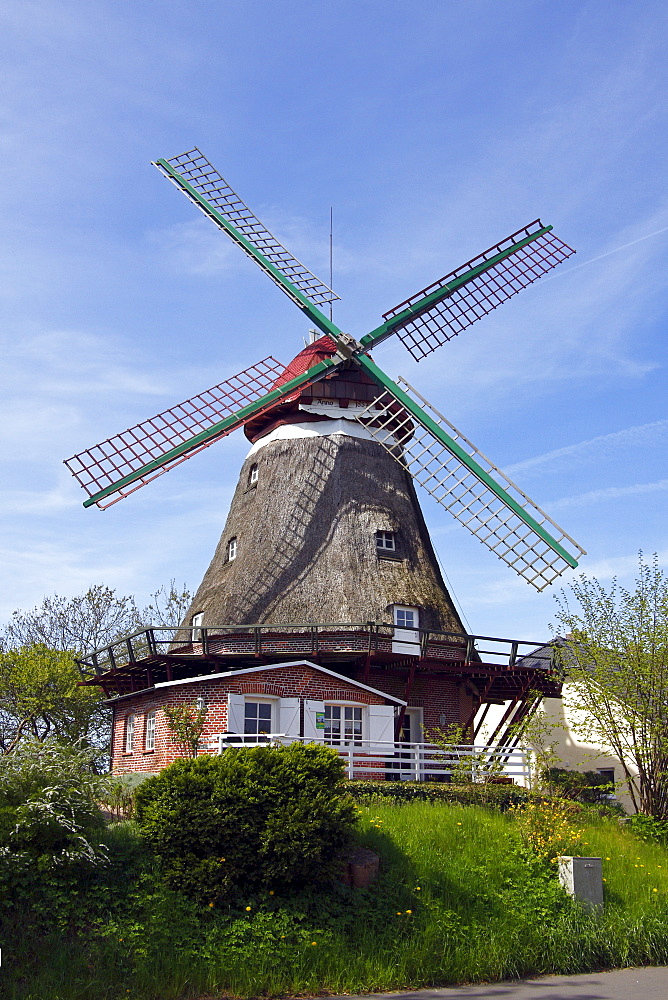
<point>582,878</point>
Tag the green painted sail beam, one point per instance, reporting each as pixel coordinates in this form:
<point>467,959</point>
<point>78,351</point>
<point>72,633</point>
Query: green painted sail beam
<point>301,300</point>
<point>223,426</point>
<point>383,380</point>
<point>386,329</point>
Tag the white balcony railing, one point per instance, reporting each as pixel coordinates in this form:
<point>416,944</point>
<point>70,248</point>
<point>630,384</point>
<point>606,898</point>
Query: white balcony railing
<point>405,761</point>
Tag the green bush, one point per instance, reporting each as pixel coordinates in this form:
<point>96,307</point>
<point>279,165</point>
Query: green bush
<point>582,786</point>
<point>48,805</point>
<point>649,829</point>
<point>274,817</point>
<point>495,795</point>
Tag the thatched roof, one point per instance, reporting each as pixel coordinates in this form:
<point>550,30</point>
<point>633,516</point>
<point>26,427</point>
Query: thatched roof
<point>306,541</point>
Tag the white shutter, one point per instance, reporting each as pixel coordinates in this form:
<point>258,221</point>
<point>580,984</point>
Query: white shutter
<point>312,731</point>
<point>235,713</point>
<point>288,717</point>
<point>381,727</point>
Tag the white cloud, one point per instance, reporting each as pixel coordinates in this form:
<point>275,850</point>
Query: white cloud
<point>603,445</point>
<point>610,493</point>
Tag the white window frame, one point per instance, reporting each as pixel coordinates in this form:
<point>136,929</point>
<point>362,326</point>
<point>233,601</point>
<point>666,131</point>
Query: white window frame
<point>345,740</point>
<point>196,623</point>
<point>149,731</point>
<point>254,474</point>
<point>406,637</point>
<point>260,699</point>
<point>386,541</point>
<point>232,549</point>
<point>129,731</point>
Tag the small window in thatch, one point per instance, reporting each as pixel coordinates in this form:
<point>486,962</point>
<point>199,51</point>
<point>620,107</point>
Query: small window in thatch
<point>253,475</point>
<point>232,549</point>
<point>385,541</point>
<point>196,622</point>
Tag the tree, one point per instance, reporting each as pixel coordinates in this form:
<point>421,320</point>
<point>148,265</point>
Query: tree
<point>615,662</point>
<point>168,606</point>
<point>41,696</point>
<point>40,691</point>
<point>186,725</point>
<point>78,624</point>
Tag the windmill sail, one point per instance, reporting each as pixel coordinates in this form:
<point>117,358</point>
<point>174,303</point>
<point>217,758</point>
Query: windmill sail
<point>123,463</point>
<point>439,312</point>
<point>471,487</point>
<point>203,180</point>
<point>120,456</point>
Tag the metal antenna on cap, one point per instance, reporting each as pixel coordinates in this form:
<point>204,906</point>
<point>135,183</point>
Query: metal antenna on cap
<point>331,243</point>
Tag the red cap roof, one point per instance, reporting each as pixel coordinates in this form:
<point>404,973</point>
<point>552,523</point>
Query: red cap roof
<point>312,355</point>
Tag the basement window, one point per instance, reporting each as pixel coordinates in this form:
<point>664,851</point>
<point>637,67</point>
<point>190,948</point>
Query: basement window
<point>231,549</point>
<point>385,541</point>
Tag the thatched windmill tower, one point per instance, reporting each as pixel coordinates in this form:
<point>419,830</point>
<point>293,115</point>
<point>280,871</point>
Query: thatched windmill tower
<point>323,613</point>
<point>324,525</point>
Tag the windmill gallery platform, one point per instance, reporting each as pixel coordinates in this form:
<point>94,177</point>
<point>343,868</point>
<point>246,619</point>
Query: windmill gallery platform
<point>355,640</point>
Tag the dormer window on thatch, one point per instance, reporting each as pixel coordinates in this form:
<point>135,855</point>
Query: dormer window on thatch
<point>385,541</point>
<point>196,622</point>
<point>231,549</point>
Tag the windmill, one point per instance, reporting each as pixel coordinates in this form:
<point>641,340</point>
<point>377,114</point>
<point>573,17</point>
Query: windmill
<point>421,440</point>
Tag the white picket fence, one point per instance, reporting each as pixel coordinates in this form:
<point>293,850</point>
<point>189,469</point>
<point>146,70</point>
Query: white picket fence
<point>405,761</point>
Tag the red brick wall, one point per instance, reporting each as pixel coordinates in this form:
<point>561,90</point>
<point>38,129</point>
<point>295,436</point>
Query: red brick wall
<point>435,694</point>
<point>298,681</point>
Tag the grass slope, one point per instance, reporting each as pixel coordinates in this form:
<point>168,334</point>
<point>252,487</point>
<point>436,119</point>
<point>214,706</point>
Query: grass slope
<point>459,900</point>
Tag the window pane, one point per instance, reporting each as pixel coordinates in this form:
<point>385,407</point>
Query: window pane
<point>257,718</point>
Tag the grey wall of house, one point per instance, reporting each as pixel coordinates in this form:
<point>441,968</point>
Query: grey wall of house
<point>306,544</point>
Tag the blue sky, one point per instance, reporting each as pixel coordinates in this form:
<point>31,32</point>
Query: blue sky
<point>434,128</point>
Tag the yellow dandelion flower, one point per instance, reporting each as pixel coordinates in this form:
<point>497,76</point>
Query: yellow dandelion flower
<point>409,911</point>
<point>398,913</point>
<point>271,892</point>
<point>417,888</point>
<point>607,859</point>
<point>313,942</point>
<point>605,880</point>
<point>210,904</point>
<point>655,890</point>
<point>247,909</point>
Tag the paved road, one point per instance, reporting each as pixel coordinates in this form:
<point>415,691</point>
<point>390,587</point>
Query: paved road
<point>625,984</point>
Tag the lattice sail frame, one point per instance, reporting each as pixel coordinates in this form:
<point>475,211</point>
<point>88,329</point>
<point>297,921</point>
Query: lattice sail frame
<point>431,327</point>
<point>463,494</point>
<point>112,460</point>
<point>201,175</point>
